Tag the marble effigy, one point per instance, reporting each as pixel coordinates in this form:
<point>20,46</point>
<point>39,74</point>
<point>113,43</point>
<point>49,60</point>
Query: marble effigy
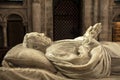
<point>71,59</point>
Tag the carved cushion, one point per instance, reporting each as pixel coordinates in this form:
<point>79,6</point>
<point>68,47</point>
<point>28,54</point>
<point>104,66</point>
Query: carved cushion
<point>20,56</point>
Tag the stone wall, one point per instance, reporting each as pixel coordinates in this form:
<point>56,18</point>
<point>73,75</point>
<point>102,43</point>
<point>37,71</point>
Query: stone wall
<point>99,11</point>
<point>93,11</point>
<point>21,10</point>
<point>43,17</point>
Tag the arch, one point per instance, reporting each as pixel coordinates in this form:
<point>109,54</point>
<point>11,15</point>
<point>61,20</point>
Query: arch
<point>15,13</point>
<point>14,17</point>
<point>15,30</point>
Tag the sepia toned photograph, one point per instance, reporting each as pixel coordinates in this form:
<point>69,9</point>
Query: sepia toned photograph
<point>59,39</point>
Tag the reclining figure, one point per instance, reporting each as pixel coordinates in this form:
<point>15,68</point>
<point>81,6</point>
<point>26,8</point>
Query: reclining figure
<point>69,59</point>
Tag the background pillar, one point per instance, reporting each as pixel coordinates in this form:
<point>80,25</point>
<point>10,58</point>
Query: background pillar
<point>36,9</point>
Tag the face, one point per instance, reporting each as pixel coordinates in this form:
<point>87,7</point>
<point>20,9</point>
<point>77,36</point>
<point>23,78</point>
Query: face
<point>36,41</point>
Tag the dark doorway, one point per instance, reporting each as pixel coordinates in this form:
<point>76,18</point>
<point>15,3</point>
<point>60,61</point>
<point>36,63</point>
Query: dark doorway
<point>15,30</point>
<point>67,19</point>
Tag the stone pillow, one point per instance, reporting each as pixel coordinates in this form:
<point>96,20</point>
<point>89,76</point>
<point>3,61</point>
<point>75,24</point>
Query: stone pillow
<point>20,56</point>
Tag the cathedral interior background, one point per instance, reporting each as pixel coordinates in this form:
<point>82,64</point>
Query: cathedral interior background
<point>58,19</point>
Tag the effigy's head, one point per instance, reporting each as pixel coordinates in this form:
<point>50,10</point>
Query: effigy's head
<point>36,41</point>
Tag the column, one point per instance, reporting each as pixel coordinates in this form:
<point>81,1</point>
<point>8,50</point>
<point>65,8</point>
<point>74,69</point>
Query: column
<point>36,14</point>
<point>25,24</point>
<point>96,11</point>
<point>4,25</point>
<point>88,12</point>
<point>104,19</point>
<point>49,18</point>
